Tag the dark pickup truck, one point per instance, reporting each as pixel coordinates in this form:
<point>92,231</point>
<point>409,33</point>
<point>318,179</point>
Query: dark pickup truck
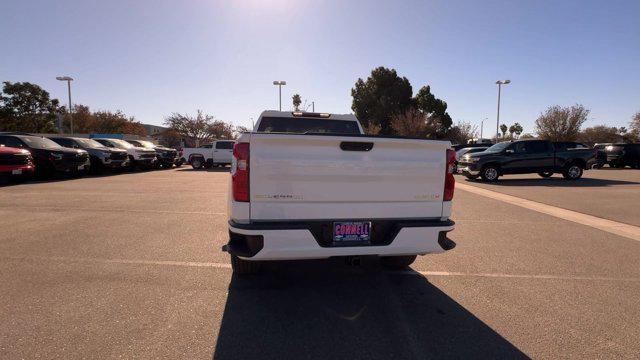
<point>528,156</point>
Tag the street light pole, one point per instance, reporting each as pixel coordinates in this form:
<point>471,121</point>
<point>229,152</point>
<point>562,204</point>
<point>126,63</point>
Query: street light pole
<point>280,83</point>
<point>68,79</point>
<point>313,106</point>
<point>499,83</point>
<point>482,127</point>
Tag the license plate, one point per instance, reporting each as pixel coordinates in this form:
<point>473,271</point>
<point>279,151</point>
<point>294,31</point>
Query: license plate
<point>16,172</point>
<point>81,167</point>
<point>353,232</point>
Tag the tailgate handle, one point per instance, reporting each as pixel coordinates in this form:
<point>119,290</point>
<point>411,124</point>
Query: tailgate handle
<point>356,146</point>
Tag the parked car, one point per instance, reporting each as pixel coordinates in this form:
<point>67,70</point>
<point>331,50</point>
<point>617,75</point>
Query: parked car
<point>309,185</point>
<point>48,156</point>
<point>621,155</point>
<point>165,157</point>
<point>181,152</point>
<point>601,156</point>
<point>217,154</point>
<point>467,150</point>
<point>526,156</point>
<point>483,141</point>
<point>100,156</point>
<point>15,163</point>
<point>138,156</point>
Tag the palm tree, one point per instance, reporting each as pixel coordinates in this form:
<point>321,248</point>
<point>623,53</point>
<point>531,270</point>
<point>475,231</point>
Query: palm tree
<point>296,101</point>
<point>504,129</point>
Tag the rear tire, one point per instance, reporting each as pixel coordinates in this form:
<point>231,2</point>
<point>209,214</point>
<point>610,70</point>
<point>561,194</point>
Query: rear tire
<point>197,163</point>
<point>244,267</point>
<point>545,174</point>
<point>397,262</point>
<point>489,173</point>
<point>572,172</point>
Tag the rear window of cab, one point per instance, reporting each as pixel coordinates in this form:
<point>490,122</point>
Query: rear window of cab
<point>301,125</point>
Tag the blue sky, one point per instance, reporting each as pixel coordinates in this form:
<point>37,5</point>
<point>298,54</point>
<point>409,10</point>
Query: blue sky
<point>151,58</point>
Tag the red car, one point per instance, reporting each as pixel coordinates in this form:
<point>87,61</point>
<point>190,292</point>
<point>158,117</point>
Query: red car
<point>15,163</point>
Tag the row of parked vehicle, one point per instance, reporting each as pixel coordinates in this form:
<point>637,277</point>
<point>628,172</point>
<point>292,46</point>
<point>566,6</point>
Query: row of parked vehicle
<point>618,155</point>
<point>542,157</point>
<point>24,155</point>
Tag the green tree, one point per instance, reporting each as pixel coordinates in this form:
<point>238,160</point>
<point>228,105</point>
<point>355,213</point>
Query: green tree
<point>433,108</point>
<point>201,128</point>
<point>296,102</point>
<point>196,128</point>
<point>503,129</point>
<point>527,136</point>
<point>413,123</point>
<point>222,130</point>
<point>634,128</point>
<point>84,121</point>
<point>383,95</point>
<point>27,107</point>
<point>461,132</point>
<point>600,133</point>
<point>559,123</point>
<point>108,122</point>
<point>515,129</point>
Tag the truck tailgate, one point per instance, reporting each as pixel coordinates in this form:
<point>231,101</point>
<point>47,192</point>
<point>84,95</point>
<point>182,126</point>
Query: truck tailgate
<point>310,177</point>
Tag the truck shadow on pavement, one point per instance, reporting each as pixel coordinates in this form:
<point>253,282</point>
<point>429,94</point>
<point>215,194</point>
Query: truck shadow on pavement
<point>556,182</point>
<point>214,169</point>
<point>320,310</point>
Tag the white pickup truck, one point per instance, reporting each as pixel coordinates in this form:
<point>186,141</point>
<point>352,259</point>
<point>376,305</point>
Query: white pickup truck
<point>216,154</point>
<point>311,185</point>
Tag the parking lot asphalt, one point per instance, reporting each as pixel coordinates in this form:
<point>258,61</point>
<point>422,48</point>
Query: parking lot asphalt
<point>130,266</point>
<point>607,193</point>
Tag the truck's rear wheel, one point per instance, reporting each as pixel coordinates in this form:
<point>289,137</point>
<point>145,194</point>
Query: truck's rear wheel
<point>397,262</point>
<point>572,172</point>
<point>197,163</point>
<point>244,267</point>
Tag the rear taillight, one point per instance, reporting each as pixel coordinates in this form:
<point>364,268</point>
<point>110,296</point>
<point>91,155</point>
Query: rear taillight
<point>240,172</point>
<point>449,181</point>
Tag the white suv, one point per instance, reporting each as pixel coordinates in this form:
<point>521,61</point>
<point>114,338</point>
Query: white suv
<point>138,156</point>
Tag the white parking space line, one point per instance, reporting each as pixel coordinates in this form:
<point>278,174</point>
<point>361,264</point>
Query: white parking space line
<point>613,227</point>
<point>123,261</point>
<point>195,264</point>
<point>56,208</point>
<point>519,276</point>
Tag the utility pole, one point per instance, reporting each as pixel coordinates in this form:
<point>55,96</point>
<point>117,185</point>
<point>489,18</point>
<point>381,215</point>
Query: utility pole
<point>499,83</point>
<point>313,106</point>
<point>68,79</point>
<point>279,83</point>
